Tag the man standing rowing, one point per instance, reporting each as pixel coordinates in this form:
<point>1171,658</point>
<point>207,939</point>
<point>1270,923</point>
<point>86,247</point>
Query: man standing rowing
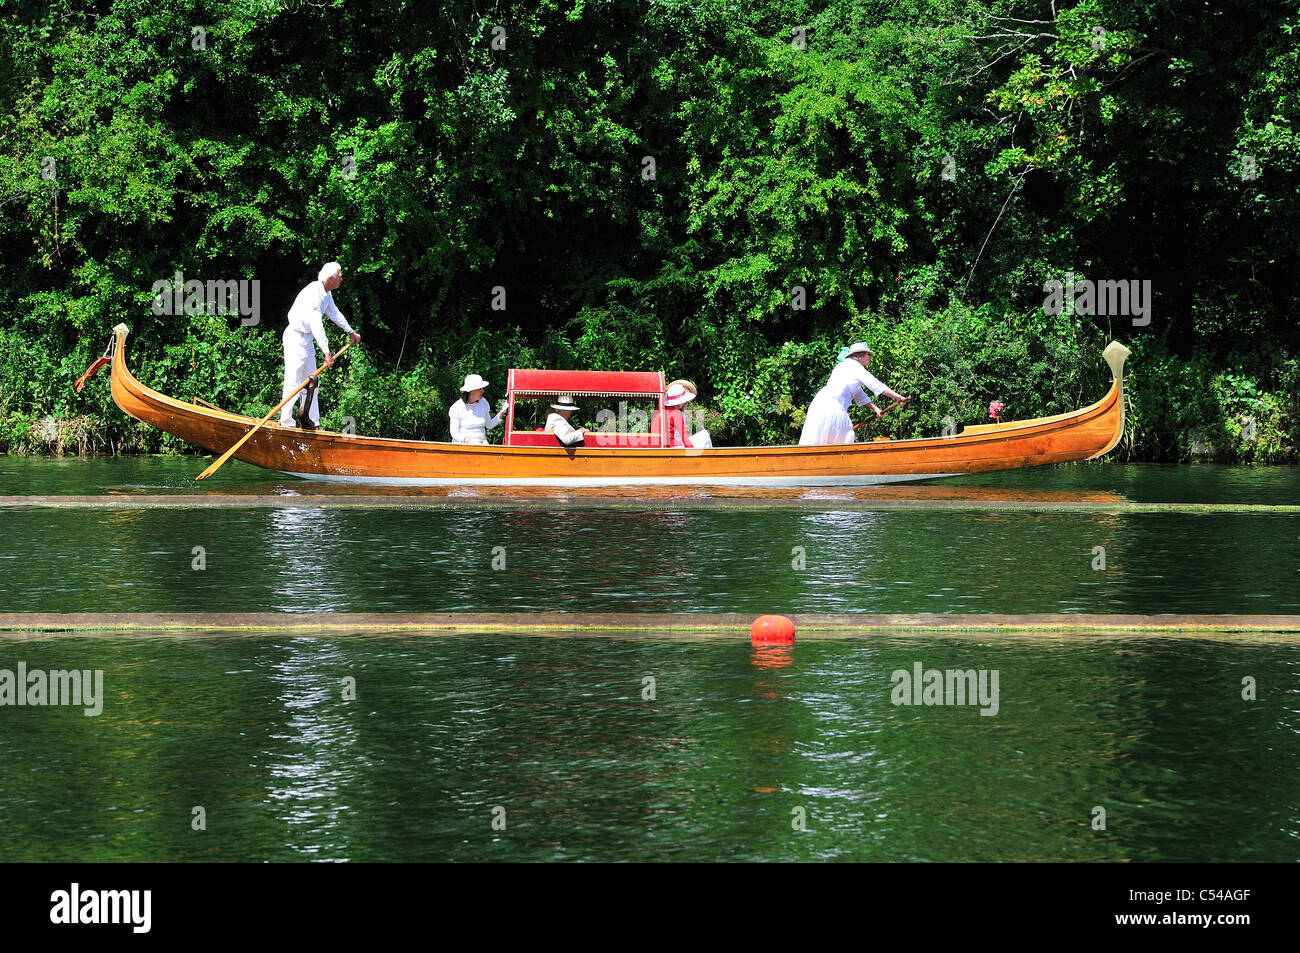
<point>306,325</point>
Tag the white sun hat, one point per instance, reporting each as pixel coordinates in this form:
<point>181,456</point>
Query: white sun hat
<point>679,392</point>
<point>852,349</point>
<point>473,382</point>
<point>564,402</point>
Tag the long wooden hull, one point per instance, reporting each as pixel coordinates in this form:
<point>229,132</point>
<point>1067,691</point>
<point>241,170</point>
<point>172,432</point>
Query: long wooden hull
<point>324,455</point>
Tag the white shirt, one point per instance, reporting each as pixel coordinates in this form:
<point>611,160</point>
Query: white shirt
<point>568,434</point>
<point>471,424</point>
<point>305,315</point>
<point>849,382</point>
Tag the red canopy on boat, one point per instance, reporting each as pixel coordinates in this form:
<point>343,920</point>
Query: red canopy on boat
<point>537,383</point>
<point>647,385</point>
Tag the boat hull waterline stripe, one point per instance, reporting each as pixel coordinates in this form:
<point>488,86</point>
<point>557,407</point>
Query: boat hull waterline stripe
<point>865,480</point>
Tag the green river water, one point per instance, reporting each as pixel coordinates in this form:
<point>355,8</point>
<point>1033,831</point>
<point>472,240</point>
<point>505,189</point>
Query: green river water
<point>643,744</point>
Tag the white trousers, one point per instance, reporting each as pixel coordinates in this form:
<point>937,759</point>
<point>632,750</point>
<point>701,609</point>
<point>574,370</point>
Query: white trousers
<point>299,364</point>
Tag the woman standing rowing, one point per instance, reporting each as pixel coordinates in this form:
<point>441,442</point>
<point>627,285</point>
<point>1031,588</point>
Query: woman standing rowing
<point>828,414</point>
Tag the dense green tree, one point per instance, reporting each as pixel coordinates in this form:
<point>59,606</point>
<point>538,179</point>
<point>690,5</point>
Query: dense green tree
<point>725,190</point>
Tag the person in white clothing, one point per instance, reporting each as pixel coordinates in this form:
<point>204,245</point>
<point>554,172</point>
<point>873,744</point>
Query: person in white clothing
<point>469,415</point>
<point>828,415</point>
<point>558,422</point>
<point>306,328</point>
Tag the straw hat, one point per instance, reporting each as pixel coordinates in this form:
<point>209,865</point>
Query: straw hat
<point>564,402</point>
<point>679,392</point>
<point>473,382</point>
<point>852,349</point>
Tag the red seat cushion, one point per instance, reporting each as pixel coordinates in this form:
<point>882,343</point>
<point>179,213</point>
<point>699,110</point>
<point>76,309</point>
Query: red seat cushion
<point>526,438</point>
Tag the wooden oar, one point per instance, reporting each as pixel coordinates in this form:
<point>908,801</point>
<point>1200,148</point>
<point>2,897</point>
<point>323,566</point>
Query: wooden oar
<point>897,403</point>
<point>274,410</point>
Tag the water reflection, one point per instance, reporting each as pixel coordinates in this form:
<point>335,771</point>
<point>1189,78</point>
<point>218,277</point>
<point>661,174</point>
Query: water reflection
<point>616,556</point>
<point>314,753</point>
<point>635,560</point>
<point>1092,482</point>
<point>771,657</point>
<point>559,733</point>
<point>308,555</point>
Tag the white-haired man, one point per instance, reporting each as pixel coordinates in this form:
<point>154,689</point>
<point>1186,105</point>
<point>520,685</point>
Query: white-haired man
<point>306,325</point>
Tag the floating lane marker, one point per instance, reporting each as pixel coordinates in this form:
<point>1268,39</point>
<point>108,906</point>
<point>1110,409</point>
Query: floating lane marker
<point>717,625</point>
<point>771,629</point>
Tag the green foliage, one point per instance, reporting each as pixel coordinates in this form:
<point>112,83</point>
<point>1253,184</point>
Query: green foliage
<point>911,172</point>
<point>1212,408</point>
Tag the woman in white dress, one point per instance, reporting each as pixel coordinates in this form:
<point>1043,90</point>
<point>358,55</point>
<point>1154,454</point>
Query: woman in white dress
<point>469,415</point>
<point>828,415</point>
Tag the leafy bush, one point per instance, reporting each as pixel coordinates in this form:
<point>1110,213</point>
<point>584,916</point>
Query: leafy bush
<point>675,186</point>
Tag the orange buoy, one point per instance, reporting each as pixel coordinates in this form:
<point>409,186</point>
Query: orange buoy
<point>771,628</point>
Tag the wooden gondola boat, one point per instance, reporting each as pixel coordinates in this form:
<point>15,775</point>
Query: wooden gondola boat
<point>530,458</point>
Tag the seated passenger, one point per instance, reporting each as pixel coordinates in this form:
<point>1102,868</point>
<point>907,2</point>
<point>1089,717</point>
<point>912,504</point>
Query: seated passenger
<point>558,422</point>
<point>678,395</point>
<point>469,415</point>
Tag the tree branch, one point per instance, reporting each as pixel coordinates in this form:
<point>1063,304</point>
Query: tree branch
<point>1014,189</point>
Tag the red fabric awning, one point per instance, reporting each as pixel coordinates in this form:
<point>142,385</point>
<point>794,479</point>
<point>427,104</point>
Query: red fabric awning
<point>539,383</point>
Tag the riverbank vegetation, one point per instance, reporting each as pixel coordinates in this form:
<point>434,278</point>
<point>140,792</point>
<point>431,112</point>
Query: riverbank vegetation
<point>727,191</point>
